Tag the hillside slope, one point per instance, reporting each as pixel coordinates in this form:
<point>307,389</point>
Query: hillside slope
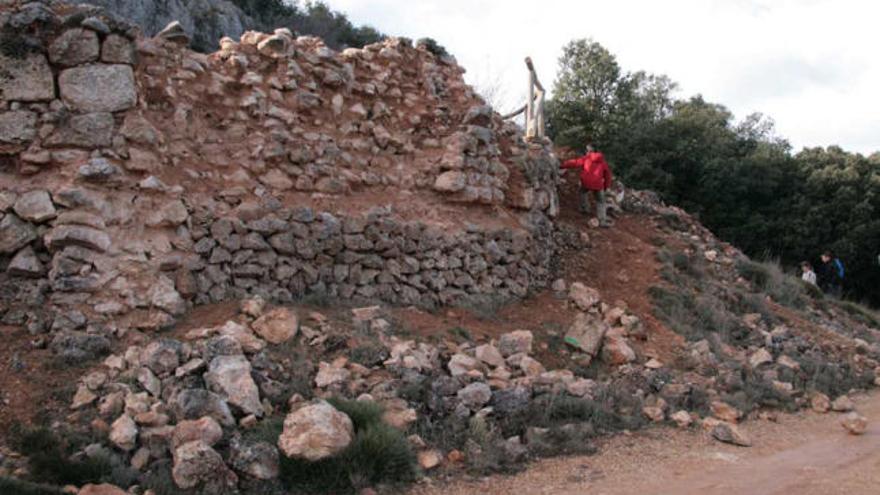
<point>199,251</point>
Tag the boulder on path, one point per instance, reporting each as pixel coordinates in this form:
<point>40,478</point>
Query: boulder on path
<point>729,433</point>
<point>315,432</point>
<point>854,423</point>
<point>843,404</point>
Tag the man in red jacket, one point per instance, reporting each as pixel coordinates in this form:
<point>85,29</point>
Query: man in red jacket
<point>595,180</point>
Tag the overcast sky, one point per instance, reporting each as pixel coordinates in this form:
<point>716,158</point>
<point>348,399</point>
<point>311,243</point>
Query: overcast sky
<point>811,65</point>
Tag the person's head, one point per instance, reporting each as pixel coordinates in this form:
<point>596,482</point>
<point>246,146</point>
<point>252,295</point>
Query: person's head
<point>590,148</point>
<point>806,266</point>
<point>826,256</point>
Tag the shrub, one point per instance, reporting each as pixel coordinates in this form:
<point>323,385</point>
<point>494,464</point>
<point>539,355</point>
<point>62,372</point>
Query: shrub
<point>432,46</point>
<point>268,430</point>
<point>768,277</point>
<point>860,313</point>
<point>49,459</point>
<point>378,453</point>
<point>370,354</point>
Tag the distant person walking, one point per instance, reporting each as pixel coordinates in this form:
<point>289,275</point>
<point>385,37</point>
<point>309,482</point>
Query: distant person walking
<point>595,180</point>
<point>808,275</point>
<point>831,274</point>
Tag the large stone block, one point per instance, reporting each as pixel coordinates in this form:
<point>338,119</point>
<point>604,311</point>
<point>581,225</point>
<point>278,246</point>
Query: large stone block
<point>26,79</point>
<point>74,47</point>
<point>98,88</point>
<point>92,130</point>
<point>19,126</point>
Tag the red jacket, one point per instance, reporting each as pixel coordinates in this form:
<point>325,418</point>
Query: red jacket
<point>595,173</point>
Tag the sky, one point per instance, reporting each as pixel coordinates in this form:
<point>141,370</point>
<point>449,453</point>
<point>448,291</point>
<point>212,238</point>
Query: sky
<point>811,65</point>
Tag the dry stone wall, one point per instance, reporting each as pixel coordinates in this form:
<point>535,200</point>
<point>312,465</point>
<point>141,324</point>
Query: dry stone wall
<point>138,178</point>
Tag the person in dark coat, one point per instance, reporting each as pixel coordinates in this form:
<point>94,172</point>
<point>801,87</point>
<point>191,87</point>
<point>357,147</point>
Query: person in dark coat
<point>828,274</point>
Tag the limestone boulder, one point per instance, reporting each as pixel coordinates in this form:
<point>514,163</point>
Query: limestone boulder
<point>586,333</point>
<point>583,297</point>
<point>516,342</point>
<point>205,429</point>
<point>854,423</point>
<point>277,326</point>
<point>316,431</point>
<point>730,433</point>
<point>198,464</point>
<point>230,376</point>
<point>258,460</point>
<point>124,432</point>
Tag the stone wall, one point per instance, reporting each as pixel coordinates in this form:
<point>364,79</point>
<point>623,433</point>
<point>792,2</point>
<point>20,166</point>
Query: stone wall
<point>300,252</point>
<point>138,178</point>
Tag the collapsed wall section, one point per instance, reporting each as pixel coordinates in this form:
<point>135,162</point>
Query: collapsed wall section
<point>138,177</point>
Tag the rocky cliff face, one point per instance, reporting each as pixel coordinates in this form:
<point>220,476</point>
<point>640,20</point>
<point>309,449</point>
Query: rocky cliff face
<point>205,21</point>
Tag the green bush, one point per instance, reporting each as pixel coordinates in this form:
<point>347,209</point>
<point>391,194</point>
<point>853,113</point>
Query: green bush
<point>768,277</point>
<point>50,461</point>
<point>378,454</point>
<point>860,313</point>
<point>432,46</point>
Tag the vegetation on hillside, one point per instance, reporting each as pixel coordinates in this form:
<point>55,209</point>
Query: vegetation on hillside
<point>740,178</point>
<point>311,18</point>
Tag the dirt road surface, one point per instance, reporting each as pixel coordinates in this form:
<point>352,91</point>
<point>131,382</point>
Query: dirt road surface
<point>806,454</point>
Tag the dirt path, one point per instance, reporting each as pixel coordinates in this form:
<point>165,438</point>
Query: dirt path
<point>807,454</point>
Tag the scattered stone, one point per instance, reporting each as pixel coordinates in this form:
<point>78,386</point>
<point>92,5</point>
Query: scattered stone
<point>854,423</point>
<point>729,433</point>
<point>843,404</point>
<point>725,412</point>
<point>517,342</point>
<point>461,364</point>
<point>315,432</point>
<point>682,419</point>
<point>205,429</point>
<point>582,296</point>
<point>616,351</point>
<point>586,333</point>
<point>196,463</point>
<point>231,377</point>
<point>277,326</point>
<point>162,356</point>
<point>654,413</point>
<point>475,396</point>
<point>759,357</point>
<point>489,354</point>
<point>78,347</point>
<point>253,307</point>
<point>83,397</point>
<point>429,459</point>
<point>123,433</point>
<point>257,461</point>
<point>820,403</point>
<point>102,489</point>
